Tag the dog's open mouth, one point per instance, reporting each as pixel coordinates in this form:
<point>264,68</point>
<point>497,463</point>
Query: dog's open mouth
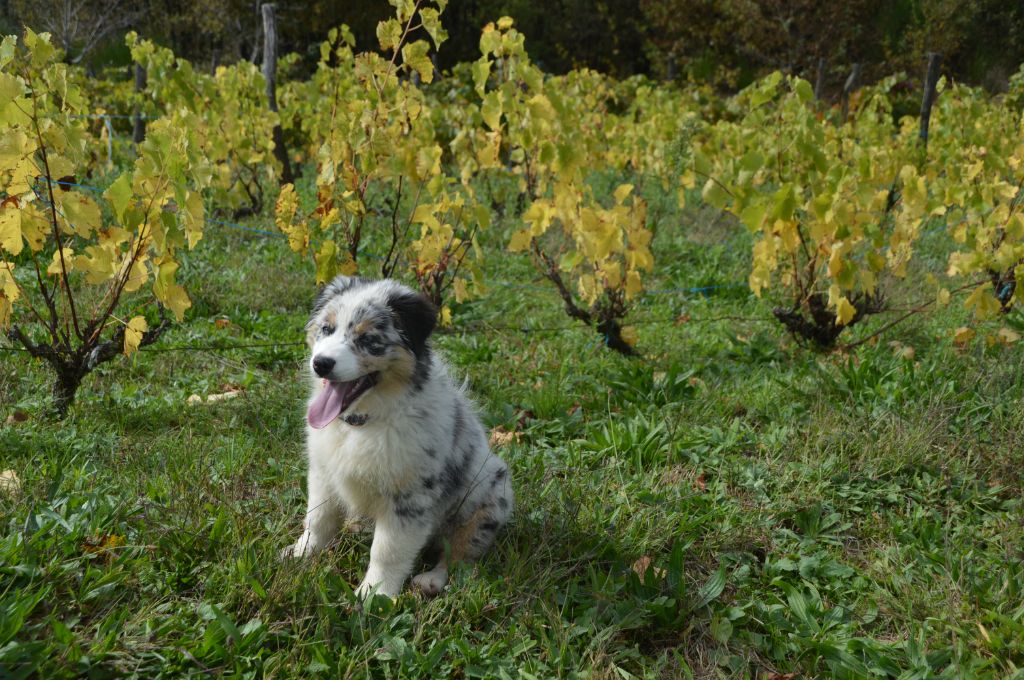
<point>335,397</point>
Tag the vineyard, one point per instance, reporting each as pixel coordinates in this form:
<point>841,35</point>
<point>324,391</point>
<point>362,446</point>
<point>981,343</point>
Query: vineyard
<point>753,359</point>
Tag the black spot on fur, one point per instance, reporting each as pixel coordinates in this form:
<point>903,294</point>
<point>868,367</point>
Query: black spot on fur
<point>430,453</point>
<point>489,526</point>
<point>421,373</point>
<point>458,425</point>
<point>338,286</point>
<point>429,482</point>
<point>498,477</point>
<point>453,475</point>
<point>415,318</point>
<point>405,508</point>
<point>371,343</point>
<point>503,502</point>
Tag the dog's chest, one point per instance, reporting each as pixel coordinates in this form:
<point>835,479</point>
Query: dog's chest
<point>367,465</point>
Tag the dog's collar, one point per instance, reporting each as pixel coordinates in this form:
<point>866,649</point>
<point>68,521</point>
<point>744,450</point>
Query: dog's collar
<point>357,419</point>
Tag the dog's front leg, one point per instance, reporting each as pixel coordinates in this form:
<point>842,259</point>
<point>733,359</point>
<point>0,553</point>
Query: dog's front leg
<point>323,517</point>
<point>396,543</point>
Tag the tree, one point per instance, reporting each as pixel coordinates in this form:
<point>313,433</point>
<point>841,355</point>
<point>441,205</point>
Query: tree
<point>78,26</point>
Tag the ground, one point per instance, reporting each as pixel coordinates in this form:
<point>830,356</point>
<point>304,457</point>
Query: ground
<point>730,504</point>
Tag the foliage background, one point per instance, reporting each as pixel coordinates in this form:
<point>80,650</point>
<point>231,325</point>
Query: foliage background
<point>727,42</point>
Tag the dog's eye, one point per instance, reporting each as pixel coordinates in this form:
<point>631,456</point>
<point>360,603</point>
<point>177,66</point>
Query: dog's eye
<point>326,329</point>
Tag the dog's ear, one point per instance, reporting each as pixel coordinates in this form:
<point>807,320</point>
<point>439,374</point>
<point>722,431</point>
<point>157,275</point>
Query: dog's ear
<point>415,316</point>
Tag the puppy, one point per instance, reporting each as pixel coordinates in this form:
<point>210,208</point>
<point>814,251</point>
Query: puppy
<point>391,439</point>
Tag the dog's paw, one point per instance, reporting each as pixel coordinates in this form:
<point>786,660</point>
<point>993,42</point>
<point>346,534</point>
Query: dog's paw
<point>430,583</point>
<point>367,591</point>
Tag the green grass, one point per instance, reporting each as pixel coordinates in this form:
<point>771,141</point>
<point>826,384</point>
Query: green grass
<point>841,516</point>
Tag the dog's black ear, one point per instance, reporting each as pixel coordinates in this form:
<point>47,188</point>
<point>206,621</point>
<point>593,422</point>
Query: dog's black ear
<point>415,316</point>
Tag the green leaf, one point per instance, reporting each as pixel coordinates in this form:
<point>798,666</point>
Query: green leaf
<point>120,195</point>
<point>389,34</point>
<point>432,24</point>
<point>490,109</point>
<point>784,203</point>
<point>803,90</point>
<point>711,589</point>
<point>714,195</point>
<point>415,56</point>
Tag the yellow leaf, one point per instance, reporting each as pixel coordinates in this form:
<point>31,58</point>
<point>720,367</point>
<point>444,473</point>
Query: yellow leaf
<point>1008,336</point>
<point>446,317</point>
<point>983,301</point>
<point>10,229</point>
<point>633,284</point>
<point>629,335</point>
<point>55,267</point>
<point>942,297</point>
<point>845,311</point>
<point>133,333</point>
<point>168,292</point>
<point>97,263</point>
<point>505,23</point>
<point>622,192</point>
<point>963,335</point>
<point>8,292</point>
<point>80,212</point>
<point>520,241</point>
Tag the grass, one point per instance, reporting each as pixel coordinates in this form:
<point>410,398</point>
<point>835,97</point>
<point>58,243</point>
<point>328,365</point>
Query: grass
<point>728,506</point>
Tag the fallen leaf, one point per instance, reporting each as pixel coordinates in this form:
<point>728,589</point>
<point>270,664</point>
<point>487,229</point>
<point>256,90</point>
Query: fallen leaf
<point>902,351</point>
<point>231,394</point>
<point>17,417</point>
<point>10,485</point>
<point>502,437</point>
<point>1008,336</point>
<point>962,336</point>
<point>222,323</point>
<point>642,565</point>
<point>525,416</point>
<point>700,483</point>
<point>103,543</point>
<point>683,318</point>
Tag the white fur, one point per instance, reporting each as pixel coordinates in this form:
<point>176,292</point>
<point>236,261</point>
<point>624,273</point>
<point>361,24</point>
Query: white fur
<point>401,469</point>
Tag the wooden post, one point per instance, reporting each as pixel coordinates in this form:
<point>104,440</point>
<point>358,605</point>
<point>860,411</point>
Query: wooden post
<point>819,81</point>
<point>931,79</point>
<point>138,123</point>
<point>270,75</point>
<point>849,88</point>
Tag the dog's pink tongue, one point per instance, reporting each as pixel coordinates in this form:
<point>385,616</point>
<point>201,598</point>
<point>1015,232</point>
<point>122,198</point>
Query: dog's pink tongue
<point>326,405</point>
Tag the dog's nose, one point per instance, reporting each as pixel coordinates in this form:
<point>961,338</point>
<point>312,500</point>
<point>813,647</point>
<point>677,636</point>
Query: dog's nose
<point>322,365</point>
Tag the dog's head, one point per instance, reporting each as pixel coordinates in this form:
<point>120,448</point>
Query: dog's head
<point>366,337</point>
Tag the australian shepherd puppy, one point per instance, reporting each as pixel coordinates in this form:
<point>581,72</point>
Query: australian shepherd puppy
<point>391,439</point>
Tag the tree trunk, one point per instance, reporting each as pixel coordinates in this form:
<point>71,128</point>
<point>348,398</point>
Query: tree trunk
<point>65,386</point>
<point>138,124</point>
<point>819,81</point>
<point>270,75</point>
<point>931,79</point>
<point>849,88</point>
<point>612,332</point>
